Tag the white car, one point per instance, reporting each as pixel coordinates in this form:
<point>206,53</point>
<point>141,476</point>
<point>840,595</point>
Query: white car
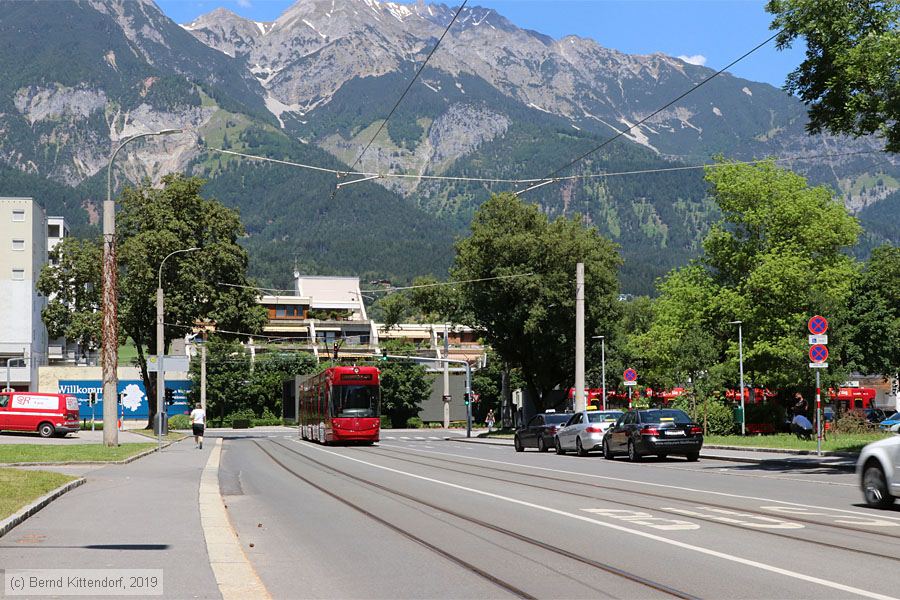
<point>878,469</point>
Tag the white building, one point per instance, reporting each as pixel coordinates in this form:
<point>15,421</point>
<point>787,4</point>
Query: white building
<point>58,349</point>
<point>23,253</point>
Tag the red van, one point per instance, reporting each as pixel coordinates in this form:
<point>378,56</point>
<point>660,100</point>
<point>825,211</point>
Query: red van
<point>48,414</point>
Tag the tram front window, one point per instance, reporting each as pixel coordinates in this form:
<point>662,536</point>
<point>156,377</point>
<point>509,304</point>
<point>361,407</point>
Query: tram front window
<point>355,401</point>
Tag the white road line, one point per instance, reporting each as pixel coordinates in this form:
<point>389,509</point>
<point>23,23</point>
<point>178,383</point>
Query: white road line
<point>659,485</point>
<point>234,574</point>
<point>650,536</point>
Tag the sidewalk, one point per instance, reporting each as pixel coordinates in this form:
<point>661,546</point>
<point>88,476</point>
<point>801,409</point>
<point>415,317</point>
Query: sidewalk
<point>79,437</point>
<point>775,459</point>
<point>143,515</point>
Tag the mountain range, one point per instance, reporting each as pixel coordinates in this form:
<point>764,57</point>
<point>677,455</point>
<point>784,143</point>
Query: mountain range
<point>313,87</point>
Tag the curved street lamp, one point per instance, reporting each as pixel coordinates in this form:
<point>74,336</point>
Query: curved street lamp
<point>109,348</point>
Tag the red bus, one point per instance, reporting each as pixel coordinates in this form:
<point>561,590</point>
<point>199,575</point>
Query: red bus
<point>340,404</point>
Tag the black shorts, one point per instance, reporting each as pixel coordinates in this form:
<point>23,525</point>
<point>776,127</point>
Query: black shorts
<point>198,429</point>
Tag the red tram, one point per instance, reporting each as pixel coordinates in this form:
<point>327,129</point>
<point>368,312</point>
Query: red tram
<point>340,404</point>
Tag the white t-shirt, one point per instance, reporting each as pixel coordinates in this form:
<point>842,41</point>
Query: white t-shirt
<point>198,416</point>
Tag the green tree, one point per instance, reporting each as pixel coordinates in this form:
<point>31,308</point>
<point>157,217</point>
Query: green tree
<point>404,385</point>
<point>227,370</point>
<point>71,282</point>
<point>875,307</point>
<point>529,319</point>
<point>198,285</point>
<point>776,258</point>
<point>394,309</point>
<point>849,76</point>
<point>267,376</point>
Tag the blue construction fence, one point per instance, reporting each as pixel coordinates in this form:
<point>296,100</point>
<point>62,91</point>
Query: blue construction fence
<point>134,397</point>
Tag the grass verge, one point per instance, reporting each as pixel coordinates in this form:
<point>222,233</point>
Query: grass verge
<point>24,453</point>
<point>172,436</point>
<point>833,442</point>
<point>19,488</point>
<point>506,434</point>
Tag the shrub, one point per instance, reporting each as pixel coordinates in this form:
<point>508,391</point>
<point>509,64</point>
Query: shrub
<point>240,419</point>
<point>180,422</point>
<point>768,413</point>
<point>267,418</point>
<point>853,421</point>
<point>719,416</point>
<point>86,425</point>
<point>241,423</point>
<point>414,423</point>
<point>386,422</point>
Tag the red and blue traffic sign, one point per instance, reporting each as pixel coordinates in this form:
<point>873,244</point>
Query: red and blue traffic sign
<point>818,353</point>
<point>630,375</point>
<point>818,325</point>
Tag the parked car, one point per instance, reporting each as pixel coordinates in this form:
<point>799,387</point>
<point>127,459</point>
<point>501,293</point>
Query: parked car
<point>878,469</point>
<point>584,431</point>
<point>890,421</point>
<point>660,431</point>
<point>48,414</point>
<point>539,431</point>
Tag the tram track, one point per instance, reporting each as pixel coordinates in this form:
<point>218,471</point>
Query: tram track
<point>466,518</point>
<point>493,476</point>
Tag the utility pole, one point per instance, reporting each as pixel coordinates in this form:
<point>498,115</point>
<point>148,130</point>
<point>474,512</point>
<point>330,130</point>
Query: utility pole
<point>579,337</point>
<point>602,339</point>
<point>447,397</point>
<point>203,373</point>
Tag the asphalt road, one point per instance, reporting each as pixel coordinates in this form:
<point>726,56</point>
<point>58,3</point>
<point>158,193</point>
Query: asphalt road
<point>428,518</point>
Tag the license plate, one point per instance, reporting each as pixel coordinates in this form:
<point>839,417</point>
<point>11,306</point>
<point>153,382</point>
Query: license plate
<point>677,432</point>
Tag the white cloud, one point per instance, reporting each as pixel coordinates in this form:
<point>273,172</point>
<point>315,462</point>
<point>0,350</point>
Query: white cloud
<point>244,3</point>
<point>696,59</point>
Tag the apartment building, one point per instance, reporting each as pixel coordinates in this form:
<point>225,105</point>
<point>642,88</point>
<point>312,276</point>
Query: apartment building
<point>23,253</point>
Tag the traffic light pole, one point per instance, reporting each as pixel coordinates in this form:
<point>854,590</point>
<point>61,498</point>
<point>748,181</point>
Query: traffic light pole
<point>447,361</point>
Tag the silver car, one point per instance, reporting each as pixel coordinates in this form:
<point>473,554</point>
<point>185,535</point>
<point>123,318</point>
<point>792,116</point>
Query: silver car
<point>878,469</point>
<point>584,431</point>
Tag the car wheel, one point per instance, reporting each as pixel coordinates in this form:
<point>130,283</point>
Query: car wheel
<point>518,444</point>
<point>875,487</point>
<point>662,456</point>
<point>46,430</point>
<point>542,445</point>
<point>607,453</point>
<point>559,448</point>
<point>633,455</point>
<point>693,456</point>
<point>580,448</point>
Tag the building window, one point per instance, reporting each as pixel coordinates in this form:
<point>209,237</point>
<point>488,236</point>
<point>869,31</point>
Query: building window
<point>18,274</point>
<point>19,214</point>
<point>53,231</point>
<point>18,244</point>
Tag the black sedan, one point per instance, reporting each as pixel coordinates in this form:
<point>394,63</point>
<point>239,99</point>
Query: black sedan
<point>659,431</point>
<point>540,431</point>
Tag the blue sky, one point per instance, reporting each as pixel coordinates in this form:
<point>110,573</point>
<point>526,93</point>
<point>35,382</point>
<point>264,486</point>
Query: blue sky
<point>714,32</point>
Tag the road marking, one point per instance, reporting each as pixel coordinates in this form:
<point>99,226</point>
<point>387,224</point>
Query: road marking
<point>234,574</point>
<point>651,536</point>
<point>724,515</point>
<point>651,484</point>
<point>864,521</point>
<point>389,437</point>
<point>643,518</point>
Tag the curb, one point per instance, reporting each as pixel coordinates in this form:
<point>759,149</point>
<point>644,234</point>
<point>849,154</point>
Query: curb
<point>124,461</point>
<point>10,522</point>
<point>783,451</point>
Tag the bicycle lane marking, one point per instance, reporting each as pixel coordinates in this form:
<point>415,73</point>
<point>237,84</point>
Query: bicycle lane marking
<point>651,536</point>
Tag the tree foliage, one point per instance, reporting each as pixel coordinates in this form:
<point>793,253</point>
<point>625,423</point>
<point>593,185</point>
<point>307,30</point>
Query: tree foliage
<point>776,258</point>
<point>875,306</point>
<point>71,282</point>
<point>524,302</point>
<point>404,385</point>
<point>849,76</point>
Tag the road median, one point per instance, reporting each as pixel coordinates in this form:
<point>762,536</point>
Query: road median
<point>29,455</point>
<point>23,493</point>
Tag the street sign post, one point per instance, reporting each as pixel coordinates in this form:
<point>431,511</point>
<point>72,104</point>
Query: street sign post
<point>818,356</point>
<point>630,377</point>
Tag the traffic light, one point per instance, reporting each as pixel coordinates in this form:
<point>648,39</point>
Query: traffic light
<point>384,354</point>
<point>170,396</point>
<point>335,348</point>
<point>466,398</point>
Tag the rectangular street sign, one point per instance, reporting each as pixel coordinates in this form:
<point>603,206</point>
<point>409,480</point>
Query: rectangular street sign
<point>173,363</point>
<point>818,365</point>
<point>630,382</point>
<point>818,339</point>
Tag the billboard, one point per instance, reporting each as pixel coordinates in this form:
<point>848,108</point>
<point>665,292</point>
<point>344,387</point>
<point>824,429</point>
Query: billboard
<point>133,395</point>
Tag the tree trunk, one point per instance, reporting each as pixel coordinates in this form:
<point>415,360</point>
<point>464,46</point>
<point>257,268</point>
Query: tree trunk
<point>149,385</point>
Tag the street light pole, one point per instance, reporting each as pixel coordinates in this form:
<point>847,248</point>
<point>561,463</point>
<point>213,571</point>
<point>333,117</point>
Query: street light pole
<point>160,350</point>
<point>109,349</point>
<point>580,401</point>
<point>602,365</point>
<point>741,363</point>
